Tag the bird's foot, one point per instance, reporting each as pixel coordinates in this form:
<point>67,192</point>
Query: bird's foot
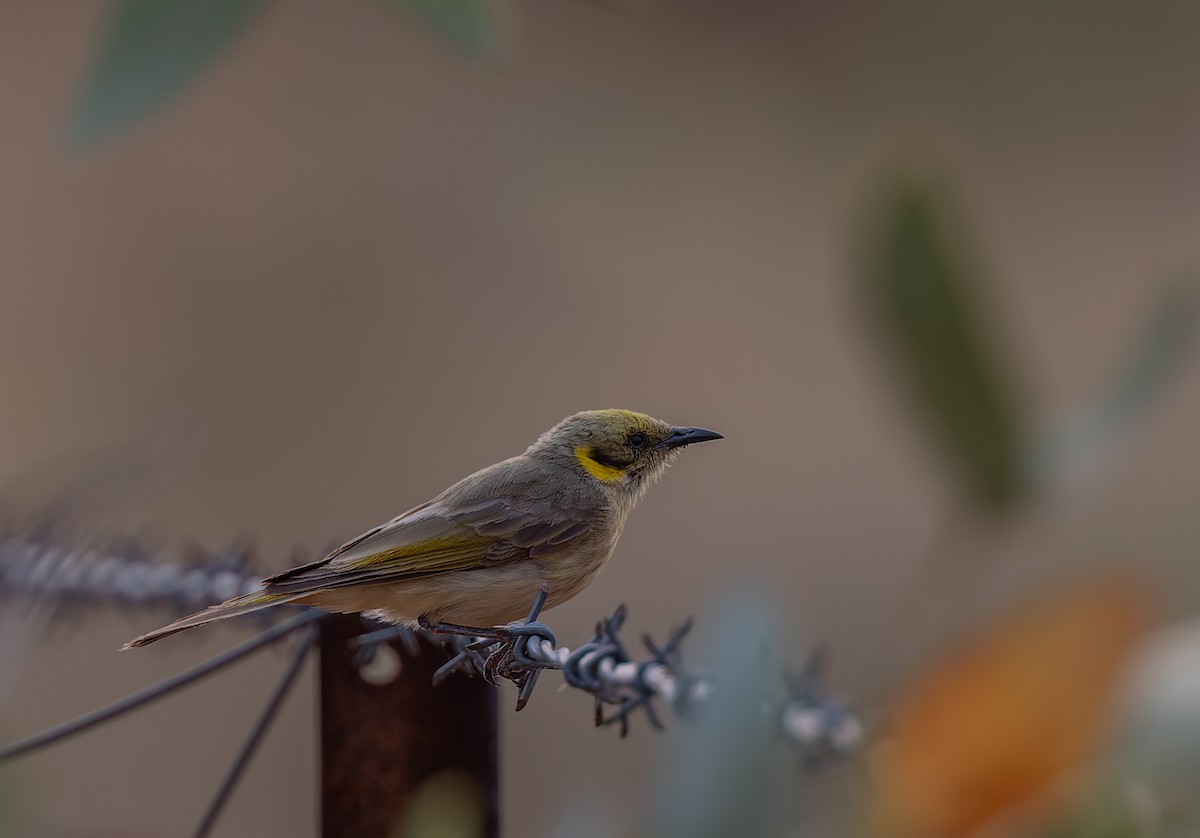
<point>509,655</point>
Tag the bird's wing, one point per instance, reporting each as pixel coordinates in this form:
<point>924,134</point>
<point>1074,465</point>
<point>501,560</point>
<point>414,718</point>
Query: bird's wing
<point>441,538</point>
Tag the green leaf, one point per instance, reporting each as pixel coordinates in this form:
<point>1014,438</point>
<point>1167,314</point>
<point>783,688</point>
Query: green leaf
<point>927,300</point>
<point>153,50</point>
<point>1151,365</point>
<point>475,26</point>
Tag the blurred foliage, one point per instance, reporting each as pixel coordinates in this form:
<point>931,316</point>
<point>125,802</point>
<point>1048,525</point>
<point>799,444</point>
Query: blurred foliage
<point>1122,810</point>
<point>995,722</point>
<point>720,780</point>
<point>446,806</point>
<point>475,26</point>
<point>923,290</point>
<point>1155,358</point>
<point>1111,816</point>
<point>1154,767</point>
<point>153,51</point>
<point>1157,355</point>
<point>926,293</point>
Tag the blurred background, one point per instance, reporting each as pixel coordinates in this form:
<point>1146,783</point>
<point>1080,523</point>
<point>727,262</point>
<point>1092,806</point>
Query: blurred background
<point>358,259</point>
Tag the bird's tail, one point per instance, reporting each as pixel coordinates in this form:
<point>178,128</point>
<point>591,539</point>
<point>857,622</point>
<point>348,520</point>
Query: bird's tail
<point>255,601</point>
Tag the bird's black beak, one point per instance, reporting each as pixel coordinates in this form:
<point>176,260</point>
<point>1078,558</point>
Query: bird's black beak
<point>686,436</point>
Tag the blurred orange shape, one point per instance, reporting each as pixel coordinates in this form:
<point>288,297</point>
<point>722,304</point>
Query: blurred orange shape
<point>998,719</point>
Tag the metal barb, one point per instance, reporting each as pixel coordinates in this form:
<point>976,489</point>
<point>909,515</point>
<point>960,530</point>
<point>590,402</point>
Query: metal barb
<point>820,726</point>
<point>461,662</point>
<point>367,644</point>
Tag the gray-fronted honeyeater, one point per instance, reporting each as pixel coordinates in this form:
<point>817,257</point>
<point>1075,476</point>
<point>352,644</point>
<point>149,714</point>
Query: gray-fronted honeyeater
<point>478,553</point>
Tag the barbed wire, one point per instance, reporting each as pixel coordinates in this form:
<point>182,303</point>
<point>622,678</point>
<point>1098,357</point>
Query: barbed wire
<point>130,575</point>
<point>818,724</point>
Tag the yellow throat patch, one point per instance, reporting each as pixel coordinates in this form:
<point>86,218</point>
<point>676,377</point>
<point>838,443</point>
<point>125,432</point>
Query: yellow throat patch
<point>603,473</point>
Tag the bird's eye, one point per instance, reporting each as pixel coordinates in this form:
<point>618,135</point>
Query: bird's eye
<point>637,441</point>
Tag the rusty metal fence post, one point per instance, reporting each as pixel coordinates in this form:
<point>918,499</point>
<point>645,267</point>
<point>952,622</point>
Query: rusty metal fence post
<point>380,742</point>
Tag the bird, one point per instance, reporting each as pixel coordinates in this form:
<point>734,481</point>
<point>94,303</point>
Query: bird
<point>479,552</point>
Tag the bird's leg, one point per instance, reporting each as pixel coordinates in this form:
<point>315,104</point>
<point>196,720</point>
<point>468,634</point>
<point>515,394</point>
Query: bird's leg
<point>493,633</point>
<point>510,658</point>
<point>529,627</point>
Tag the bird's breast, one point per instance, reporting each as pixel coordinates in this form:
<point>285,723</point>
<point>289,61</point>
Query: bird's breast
<point>568,574</point>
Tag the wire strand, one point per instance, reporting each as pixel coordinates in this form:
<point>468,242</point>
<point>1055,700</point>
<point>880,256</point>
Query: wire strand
<point>254,737</point>
<point>175,682</point>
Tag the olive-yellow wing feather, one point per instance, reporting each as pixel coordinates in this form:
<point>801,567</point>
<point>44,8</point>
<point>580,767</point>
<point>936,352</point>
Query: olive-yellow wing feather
<point>460,530</point>
<point>432,540</point>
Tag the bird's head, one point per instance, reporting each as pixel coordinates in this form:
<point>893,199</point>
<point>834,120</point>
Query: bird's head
<point>620,449</point>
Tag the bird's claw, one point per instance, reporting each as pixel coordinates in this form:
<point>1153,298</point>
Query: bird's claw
<point>509,656</point>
